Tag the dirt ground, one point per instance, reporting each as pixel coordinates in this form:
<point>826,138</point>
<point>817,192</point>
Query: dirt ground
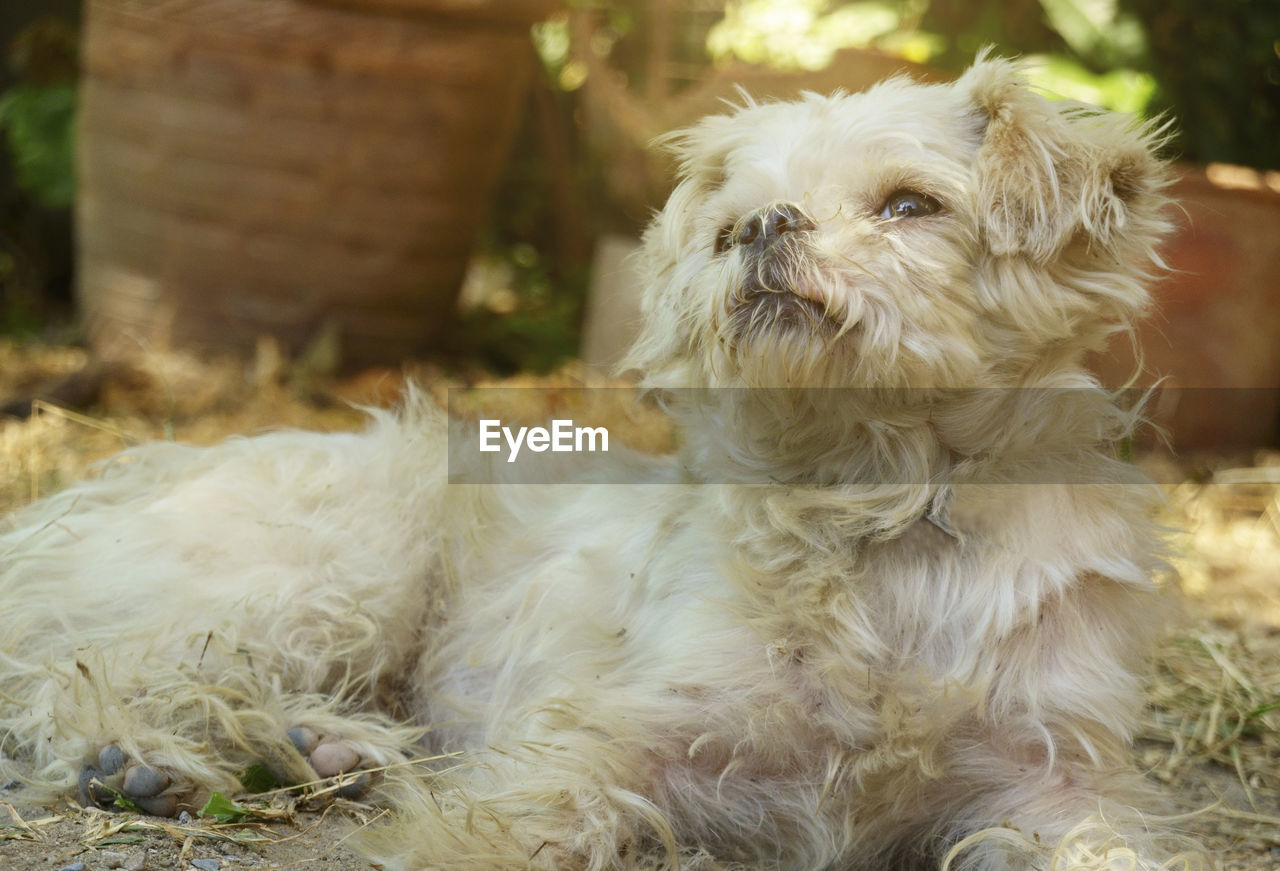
<point>63,836</point>
<point>1211,740</point>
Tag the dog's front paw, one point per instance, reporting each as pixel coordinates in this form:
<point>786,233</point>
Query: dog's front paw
<point>330,757</point>
<point>113,780</point>
<point>152,790</point>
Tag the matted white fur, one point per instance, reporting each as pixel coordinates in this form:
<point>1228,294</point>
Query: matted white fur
<point>821,638</point>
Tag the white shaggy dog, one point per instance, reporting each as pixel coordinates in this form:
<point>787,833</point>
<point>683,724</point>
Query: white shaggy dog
<point>841,630</point>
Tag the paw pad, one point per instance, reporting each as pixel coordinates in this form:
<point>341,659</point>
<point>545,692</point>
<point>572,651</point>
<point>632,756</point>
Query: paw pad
<point>143,782</point>
<point>110,759</point>
<point>331,758</point>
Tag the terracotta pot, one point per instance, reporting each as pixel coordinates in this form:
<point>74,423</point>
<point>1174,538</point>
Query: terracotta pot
<point>288,168</point>
<point>1215,335</point>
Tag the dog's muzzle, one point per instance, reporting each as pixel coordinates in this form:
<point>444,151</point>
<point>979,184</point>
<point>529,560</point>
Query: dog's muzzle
<point>777,285</point>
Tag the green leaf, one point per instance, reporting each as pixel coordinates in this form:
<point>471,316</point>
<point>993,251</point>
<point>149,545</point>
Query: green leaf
<point>121,801</point>
<point>224,810</point>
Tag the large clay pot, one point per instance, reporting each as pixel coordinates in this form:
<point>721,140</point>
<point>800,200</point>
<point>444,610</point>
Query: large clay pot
<point>1213,342</point>
<point>289,168</point>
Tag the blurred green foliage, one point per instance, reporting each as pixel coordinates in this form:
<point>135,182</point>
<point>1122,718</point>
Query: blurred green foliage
<point>1213,67</point>
<point>38,123</point>
<point>37,176</point>
<point>538,326</point>
<point>537,245</point>
<point>806,34</point>
<point>1087,50</point>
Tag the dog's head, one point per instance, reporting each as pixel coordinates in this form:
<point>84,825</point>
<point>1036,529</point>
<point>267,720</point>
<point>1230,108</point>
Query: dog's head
<point>912,235</point>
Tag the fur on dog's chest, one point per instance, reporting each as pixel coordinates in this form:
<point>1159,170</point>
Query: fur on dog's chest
<point>604,598</point>
<point>661,610</point>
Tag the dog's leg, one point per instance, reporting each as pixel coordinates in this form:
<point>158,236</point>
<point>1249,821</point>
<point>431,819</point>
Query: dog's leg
<point>174,619</point>
<point>570,803</point>
<point>1071,816</point>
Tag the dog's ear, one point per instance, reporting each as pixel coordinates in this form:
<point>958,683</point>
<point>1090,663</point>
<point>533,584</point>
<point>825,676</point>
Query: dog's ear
<point>668,257</point>
<point>1053,172</point>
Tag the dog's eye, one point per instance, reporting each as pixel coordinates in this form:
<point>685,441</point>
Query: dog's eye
<point>724,239</point>
<point>909,204</point>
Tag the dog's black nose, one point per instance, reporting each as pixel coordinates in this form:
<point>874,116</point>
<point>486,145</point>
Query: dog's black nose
<point>772,221</point>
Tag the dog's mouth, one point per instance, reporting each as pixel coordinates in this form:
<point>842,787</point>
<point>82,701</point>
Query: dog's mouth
<point>763,310</point>
<point>779,295</point>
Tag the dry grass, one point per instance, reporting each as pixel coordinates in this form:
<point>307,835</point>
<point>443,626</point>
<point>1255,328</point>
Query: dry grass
<point>1213,730</point>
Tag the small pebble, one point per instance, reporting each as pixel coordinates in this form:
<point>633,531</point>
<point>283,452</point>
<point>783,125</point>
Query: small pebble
<point>112,859</point>
<point>136,862</point>
<point>205,864</point>
<point>305,739</point>
<point>333,758</point>
<point>74,866</point>
<point>110,759</point>
<point>185,818</point>
<point>143,782</point>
